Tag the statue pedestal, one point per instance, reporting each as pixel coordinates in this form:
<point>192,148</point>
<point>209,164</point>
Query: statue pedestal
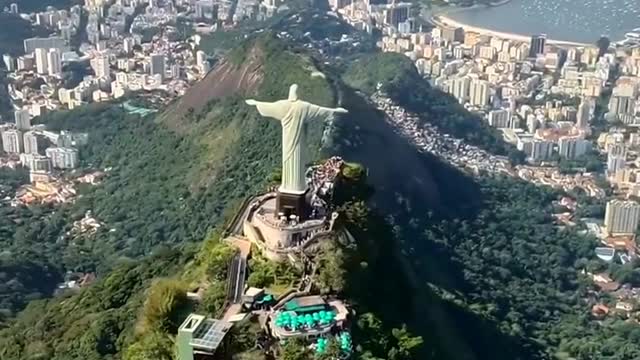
<point>293,204</point>
<point>281,240</point>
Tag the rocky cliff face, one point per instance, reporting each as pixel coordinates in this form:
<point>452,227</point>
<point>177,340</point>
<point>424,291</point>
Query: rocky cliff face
<point>225,79</point>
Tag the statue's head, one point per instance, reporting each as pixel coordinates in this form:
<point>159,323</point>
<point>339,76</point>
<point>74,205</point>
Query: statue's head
<point>293,92</point>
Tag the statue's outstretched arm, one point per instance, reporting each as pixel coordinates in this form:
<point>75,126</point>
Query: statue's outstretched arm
<point>276,110</point>
<point>324,112</point>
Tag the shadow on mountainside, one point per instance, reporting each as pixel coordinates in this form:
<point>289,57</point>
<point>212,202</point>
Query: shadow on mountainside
<point>406,180</point>
<point>409,185</point>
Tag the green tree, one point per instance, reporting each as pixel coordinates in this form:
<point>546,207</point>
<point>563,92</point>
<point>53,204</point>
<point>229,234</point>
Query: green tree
<point>368,356</point>
<point>371,325</point>
<point>163,307</point>
<point>262,274</point>
<point>153,345</point>
<point>331,277</point>
<point>332,351</point>
<point>295,349</point>
<point>355,213</point>
<point>214,298</point>
<point>407,345</point>
<point>244,335</point>
<point>216,259</point>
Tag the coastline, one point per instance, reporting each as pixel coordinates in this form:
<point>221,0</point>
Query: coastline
<point>442,19</point>
<point>499,3</point>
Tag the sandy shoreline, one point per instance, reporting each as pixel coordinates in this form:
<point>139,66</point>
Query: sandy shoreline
<point>444,20</point>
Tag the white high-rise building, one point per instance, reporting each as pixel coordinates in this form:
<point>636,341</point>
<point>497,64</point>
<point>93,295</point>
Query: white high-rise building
<point>571,148</point>
<point>334,4</point>
<point>156,62</point>
<point>128,44</point>
<point>9,62</point>
<point>101,45</point>
<point>41,60</point>
<point>66,31</point>
<point>459,88</point>
<point>105,30</point>
<point>94,4</point>
<point>584,114</point>
<point>54,62</point>
<point>621,217</point>
<point>622,105</point>
<point>541,150</point>
<point>479,93</point>
<point>616,158</point>
<point>41,19</point>
<point>65,95</point>
<point>532,123</point>
<point>118,89</point>
<point>12,141</point>
<point>32,142</point>
<point>525,144</point>
<point>37,162</point>
<point>25,62</point>
<point>175,71</point>
<point>100,66</point>
<point>201,61</point>
<point>487,52</point>
<point>125,64</point>
<point>500,118</point>
<point>30,45</point>
<point>206,10</point>
<point>122,78</point>
<point>22,119</point>
<point>63,158</point>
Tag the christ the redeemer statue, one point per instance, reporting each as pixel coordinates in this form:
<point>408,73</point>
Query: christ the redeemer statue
<point>293,113</point>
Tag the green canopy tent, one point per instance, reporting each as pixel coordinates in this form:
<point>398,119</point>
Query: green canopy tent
<point>321,346</point>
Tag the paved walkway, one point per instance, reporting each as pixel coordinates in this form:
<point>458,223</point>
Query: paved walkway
<point>242,243</point>
<point>231,311</point>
